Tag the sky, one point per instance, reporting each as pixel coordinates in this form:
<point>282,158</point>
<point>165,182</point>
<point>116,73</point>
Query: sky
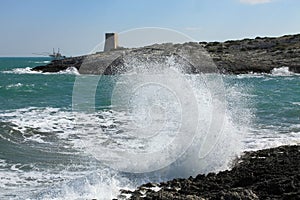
<point>78,26</point>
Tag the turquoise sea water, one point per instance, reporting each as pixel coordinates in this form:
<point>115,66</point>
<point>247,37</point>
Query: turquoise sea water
<point>41,156</point>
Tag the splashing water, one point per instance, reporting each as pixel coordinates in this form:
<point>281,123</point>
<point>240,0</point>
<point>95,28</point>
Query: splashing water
<point>49,151</point>
<point>282,71</point>
<point>161,123</point>
<point>173,124</point>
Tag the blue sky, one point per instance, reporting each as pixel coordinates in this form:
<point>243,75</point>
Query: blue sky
<point>77,26</point>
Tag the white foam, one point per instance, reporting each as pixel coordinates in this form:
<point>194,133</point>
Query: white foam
<point>70,70</point>
<point>296,103</point>
<point>282,71</point>
<point>28,70</point>
<point>17,181</point>
<point>14,85</point>
<point>42,62</point>
<point>19,85</point>
<point>2,163</point>
<point>268,138</point>
<point>249,75</point>
<point>43,120</point>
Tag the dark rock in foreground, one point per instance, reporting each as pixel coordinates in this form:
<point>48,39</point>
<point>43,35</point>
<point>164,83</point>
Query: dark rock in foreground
<point>259,55</point>
<point>265,174</point>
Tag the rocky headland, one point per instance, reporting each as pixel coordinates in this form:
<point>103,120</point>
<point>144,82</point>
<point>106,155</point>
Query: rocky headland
<point>259,55</point>
<point>266,174</point>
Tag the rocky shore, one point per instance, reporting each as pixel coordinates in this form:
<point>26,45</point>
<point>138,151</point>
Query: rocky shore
<point>265,174</point>
<point>258,55</point>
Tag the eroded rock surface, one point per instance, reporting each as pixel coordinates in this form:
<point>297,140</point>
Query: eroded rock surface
<point>265,174</point>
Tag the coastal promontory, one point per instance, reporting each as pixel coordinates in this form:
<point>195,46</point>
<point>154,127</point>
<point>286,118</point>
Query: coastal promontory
<point>259,55</point>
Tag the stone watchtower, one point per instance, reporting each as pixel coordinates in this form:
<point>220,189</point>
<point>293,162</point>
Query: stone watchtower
<point>111,41</point>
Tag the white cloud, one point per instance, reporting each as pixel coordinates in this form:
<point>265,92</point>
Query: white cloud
<point>255,1</point>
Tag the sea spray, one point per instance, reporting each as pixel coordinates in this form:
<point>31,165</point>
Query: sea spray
<point>152,97</point>
<point>70,140</point>
<point>43,156</point>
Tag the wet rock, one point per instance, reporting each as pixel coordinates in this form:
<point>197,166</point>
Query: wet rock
<point>265,174</point>
<point>61,65</point>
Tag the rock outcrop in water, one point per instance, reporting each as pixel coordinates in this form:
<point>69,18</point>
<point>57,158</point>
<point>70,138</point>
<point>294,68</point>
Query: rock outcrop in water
<point>265,174</point>
<point>259,55</point>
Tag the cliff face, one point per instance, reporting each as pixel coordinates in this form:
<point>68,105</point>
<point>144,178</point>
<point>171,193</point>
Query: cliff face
<point>242,56</point>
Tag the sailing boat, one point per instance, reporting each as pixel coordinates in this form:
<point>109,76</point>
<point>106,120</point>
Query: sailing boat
<point>55,55</point>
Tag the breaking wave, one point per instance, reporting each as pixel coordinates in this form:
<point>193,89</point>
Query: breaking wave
<point>28,70</point>
<point>282,71</point>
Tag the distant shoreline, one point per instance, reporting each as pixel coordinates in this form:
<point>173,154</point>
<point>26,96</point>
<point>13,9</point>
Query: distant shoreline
<point>259,55</point>
<point>40,57</point>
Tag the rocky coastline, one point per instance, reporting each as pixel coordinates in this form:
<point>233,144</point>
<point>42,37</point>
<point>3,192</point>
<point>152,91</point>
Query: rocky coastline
<point>265,174</point>
<point>259,55</point>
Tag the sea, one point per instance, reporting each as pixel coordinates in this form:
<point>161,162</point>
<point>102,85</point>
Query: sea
<point>70,136</point>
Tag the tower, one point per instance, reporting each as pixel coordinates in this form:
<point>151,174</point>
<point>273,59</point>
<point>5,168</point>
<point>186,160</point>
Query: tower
<point>111,41</point>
